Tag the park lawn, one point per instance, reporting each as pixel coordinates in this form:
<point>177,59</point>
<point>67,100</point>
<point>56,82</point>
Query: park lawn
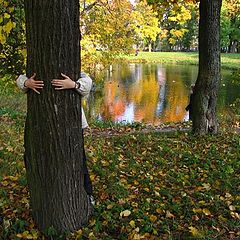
<point>229,61</point>
<point>147,186</point>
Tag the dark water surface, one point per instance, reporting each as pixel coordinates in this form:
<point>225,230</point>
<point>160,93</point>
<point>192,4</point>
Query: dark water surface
<point>151,93</point>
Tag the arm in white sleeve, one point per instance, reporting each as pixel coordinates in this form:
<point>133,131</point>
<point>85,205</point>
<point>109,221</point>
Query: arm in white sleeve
<point>85,84</point>
<point>20,82</point>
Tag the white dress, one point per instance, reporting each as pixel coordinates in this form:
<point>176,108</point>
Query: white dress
<point>84,89</point>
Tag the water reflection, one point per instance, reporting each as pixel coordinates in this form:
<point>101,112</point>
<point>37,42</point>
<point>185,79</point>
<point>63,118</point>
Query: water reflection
<point>149,93</point>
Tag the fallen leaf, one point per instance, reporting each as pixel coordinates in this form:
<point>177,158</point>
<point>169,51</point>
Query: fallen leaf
<point>169,215</point>
<point>153,218</point>
<point>206,212</point>
<point>195,232</point>
<point>197,210</point>
<point>132,223</point>
<point>125,213</point>
<point>159,210</point>
<point>232,208</point>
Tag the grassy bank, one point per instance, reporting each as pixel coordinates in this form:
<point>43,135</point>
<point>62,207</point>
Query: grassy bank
<point>229,61</point>
<point>147,186</point>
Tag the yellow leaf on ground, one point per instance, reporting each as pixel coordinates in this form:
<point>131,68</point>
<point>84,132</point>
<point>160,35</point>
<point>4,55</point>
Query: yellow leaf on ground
<point>136,236</point>
<point>169,215</point>
<point>137,229</point>
<point>132,224</point>
<point>153,218</point>
<point>125,213</point>
<point>232,208</point>
<point>197,210</point>
<point>195,232</point>
<point>206,212</point>
<point>222,219</point>
<point>159,210</point>
<point>110,206</point>
<point>207,186</point>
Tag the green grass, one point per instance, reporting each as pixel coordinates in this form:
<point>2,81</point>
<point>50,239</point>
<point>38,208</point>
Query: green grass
<point>176,186</point>
<point>13,103</point>
<point>229,61</point>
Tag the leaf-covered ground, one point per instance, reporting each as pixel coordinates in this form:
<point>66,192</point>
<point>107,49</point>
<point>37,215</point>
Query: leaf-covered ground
<point>149,185</point>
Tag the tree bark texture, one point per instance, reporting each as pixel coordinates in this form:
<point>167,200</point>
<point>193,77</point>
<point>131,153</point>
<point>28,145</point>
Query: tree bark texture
<point>208,81</point>
<point>53,142</point>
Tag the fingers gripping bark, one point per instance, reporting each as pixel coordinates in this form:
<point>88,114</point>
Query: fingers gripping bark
<point>66,83</point>
<point>33,84</point>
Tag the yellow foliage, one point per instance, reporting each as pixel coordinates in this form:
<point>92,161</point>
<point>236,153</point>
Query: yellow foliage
<point>11,9</point>
<point>180,13</point>
<point>24,52</point>
<point>106,32</point>
<point>6,15</point>
<point>2,36</point>
<point>163,33</point>
<point>8,27</point>
<point>145,21</point>
<point>172,19</point>
<point>232,7</point>
<point>178,33</point>
<point>172,41</point>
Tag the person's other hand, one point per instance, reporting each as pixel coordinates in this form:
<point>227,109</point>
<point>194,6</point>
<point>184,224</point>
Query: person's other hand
<point>66,83</point>
<point>34,84</point>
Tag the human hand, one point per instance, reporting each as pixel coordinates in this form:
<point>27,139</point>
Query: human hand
<point>34,84</point>
<point>66,83</point>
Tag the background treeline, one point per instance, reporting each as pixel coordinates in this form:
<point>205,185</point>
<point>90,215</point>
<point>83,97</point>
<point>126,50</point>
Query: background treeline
<point>112,28</point>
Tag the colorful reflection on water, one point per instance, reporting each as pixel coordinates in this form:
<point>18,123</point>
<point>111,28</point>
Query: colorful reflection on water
<point>149,93</point>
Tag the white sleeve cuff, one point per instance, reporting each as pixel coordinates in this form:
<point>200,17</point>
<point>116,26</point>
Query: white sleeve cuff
<point>20,82</point>
<point>85,84</point>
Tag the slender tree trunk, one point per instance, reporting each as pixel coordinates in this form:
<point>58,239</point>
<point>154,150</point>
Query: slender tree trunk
<point>150,47</point>
<point>53,142</point>
<point>232,48</point>
<point>208,81</point>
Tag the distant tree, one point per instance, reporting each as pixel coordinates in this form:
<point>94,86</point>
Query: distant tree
<point>189,39</point>
<point>225,30</point>
<point>145,24</point>
<point>231,24</point>
<point>106,32</point>
<point>208,80</point>
<point>53,142</point>
<point>173,17</point>
<point>112,28</point>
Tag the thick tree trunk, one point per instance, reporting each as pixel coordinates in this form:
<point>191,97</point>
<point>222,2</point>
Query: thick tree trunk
<point>207,85</point>
<point>53,142</point>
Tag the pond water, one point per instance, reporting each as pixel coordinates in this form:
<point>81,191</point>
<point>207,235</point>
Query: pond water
<point>151,93</point>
